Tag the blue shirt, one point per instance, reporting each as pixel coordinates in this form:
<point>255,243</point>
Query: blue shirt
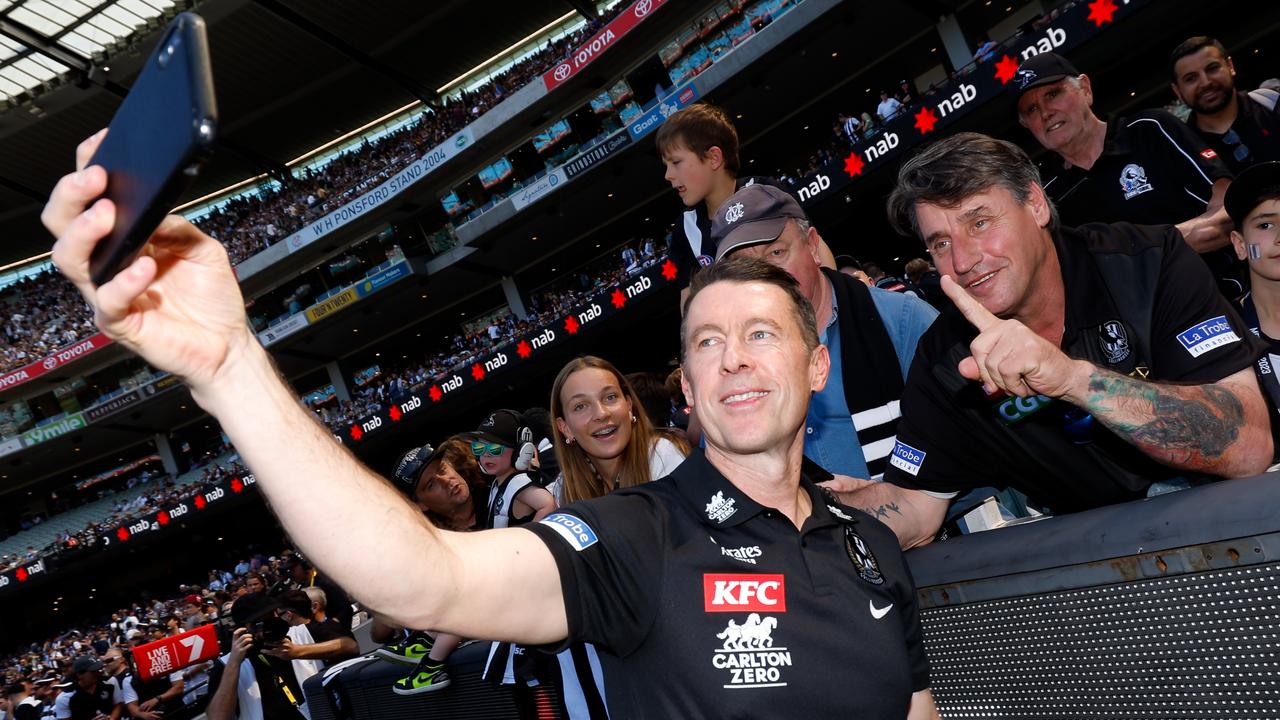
<point>830,439</point>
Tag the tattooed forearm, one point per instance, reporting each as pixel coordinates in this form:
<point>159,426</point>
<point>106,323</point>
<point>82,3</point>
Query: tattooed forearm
<point>882,512</point>
<point>1190,427</point>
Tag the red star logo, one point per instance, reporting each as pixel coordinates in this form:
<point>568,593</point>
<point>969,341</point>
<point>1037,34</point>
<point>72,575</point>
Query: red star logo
<point>356,433</point>
<point>163,518</point>
<point>435,393</point>
<point>523,350</point>
<point>477,372</point>
<point>395,413</point>
<point>22,572</point>
<point>236,485</point>
<point>925,120</point>
<point>200,502</point>
<point>1102,12</point>
<point>669,270</point>
<point>618,298</point>
<point>1006,69</point>
<point>571,324</point>
<point>123,533</point>
<point>853,164</point>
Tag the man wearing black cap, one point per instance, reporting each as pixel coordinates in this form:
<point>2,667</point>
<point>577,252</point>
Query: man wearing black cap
<point>247,684</point>
<point>93,696</point>
<point>1243,128</point>
<point>871,333</point>
<point>1148,169</point>
<point>1253,202</point>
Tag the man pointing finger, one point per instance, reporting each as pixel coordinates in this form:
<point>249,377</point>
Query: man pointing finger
<point>1104,358</point>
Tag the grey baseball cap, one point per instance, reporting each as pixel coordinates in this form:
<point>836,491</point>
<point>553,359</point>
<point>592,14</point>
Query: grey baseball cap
<point>754,215</point>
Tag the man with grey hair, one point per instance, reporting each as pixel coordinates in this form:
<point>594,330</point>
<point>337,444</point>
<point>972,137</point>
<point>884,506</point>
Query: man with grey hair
<point>1148,168</point>
<point>871,333</point>
<point>1079,365</point>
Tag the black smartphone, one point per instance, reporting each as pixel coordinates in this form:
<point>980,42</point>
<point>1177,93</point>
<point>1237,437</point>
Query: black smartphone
<point>156,143</point>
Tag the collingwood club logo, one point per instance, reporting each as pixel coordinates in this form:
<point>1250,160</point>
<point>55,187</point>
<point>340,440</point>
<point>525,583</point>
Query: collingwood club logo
<point>1133,180</point>
<point>1025,78</point>
<point>863,560</point>
<point>1114,340</point>
<point>720,509</point>
<point>749,655</point>
<point>734,213</point>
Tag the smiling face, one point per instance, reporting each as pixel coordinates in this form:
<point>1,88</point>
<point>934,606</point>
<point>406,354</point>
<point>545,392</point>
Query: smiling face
<point>690,174</point>
<point>1261,228</point>
<point>992,245</point>
<point>1057,114</point>
<point>747,370</point>
<point>597,414</point>
<point>1204,80</point>
<point>440,488</point>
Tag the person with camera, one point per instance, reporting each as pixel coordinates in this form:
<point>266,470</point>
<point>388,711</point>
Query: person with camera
<point>247,683</point>
<point>311,646</point>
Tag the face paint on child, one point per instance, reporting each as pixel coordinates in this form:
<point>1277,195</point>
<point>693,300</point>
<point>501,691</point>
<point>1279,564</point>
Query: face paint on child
<point>1255,251</point>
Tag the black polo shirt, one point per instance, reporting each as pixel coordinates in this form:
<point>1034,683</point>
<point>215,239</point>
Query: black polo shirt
<point>953,438</point>
<point>1153,171</point>
<point>703,603</point>
<point>1256,139</point>
<point>102,699</point>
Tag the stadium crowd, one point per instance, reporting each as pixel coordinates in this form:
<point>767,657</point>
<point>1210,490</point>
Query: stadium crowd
<point>82,660</point>
<point>549,304</point>
<point>158,491</point>
<point>900,432</point>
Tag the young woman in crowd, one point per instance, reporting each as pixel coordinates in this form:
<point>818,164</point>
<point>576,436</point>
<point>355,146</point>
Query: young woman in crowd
<point>603,438</point>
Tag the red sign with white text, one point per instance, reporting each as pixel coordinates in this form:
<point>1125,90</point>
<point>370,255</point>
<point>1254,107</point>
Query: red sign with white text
<point>723,592</point>
<point>162,657</point>
<point>600,42</point>
<point>67,354</point>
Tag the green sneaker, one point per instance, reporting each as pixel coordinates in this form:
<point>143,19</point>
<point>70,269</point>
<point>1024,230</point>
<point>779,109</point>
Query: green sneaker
<point>409,652</point>
<point>424,678</point>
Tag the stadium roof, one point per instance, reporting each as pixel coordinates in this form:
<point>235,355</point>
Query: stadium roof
<point>290,76</point>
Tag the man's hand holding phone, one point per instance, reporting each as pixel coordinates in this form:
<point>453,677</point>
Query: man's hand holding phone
<point>178,305</point>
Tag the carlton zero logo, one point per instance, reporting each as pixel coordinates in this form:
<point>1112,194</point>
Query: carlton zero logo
<point>750,655</point>
<point>723,592</point>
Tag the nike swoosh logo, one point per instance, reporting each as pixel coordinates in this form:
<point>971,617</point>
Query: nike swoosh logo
<point>876,612</point>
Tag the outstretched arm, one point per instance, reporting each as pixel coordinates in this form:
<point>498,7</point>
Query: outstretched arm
<point>179,307</point>
<point>913,515</point>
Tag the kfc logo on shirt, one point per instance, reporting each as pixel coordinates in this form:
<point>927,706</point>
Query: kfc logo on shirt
<point>744,593</point>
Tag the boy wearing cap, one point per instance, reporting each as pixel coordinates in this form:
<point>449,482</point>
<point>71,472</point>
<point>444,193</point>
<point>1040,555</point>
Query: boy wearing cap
<point>871,333</point>
<point>1147,169</point>
<point>504,447</point>
<point>1253,202</point>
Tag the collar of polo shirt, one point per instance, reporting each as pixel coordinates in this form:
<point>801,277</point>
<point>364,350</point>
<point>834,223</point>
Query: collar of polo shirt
<point>713,496</point>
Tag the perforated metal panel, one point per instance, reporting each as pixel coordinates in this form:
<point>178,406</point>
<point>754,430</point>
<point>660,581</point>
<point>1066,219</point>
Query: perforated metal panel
<point>1201,645</point>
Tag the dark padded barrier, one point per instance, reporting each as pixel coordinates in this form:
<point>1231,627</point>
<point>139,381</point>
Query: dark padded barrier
<point>1164,608</point>
<point>367,688</point>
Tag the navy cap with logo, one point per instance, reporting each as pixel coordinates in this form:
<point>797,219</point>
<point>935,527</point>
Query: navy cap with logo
<point>755,214</point>
<point>501,427</point>
<point>86,663</point>
<point>1042,69</point>
<point>1250,188</point>
<point>409,468</point>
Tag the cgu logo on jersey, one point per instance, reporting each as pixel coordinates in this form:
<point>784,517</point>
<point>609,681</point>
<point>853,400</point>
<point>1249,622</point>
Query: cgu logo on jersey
<point>750,654</point>
<point>724,592</point>
<point>1015,409</point>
